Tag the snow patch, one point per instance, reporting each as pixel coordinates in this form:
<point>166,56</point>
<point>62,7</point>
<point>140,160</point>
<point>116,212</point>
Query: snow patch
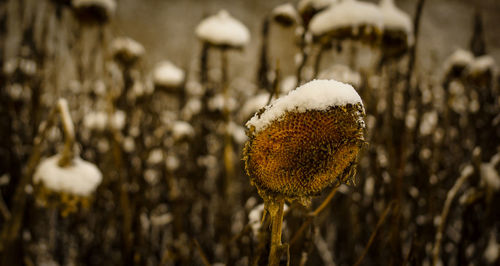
<point>168,75</point>
<point>348,13</point>
<point>459,58</point>
<point>172,162</point>
<point>492,251</point>
<point>79,178</point>
<point>394,18</point>
<point>181,129</point>
<point>223,29</point>
<point>314,4</point>
<point>482,64</point>
<point>128,47</point>
<point>286,11</point>
<point>489,176</point>
<point>108,5</point>
<point>314,95</point>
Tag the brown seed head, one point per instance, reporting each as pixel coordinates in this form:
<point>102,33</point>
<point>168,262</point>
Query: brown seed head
<point>302,153</point>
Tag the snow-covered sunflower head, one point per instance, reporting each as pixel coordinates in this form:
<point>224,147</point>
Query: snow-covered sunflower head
<point>67,187</point>
<point>305,141</point>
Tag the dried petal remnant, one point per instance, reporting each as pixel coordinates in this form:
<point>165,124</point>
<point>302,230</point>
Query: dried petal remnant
<point>304,152</point>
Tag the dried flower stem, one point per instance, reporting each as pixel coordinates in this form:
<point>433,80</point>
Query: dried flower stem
<point>12,226</point>
<point>374,233</point>
<point>262,73</point>
<point>444,214</point>
<point>317,62</point>
<point>304,54</point>
<point>125,204</point>
<point>3,208</point>
<point>277,221</point>
<point>202,254</point>
<point>69,133</point>
<point>275,88</point>
<point>204,63</point>
<point>228,144</point>
<point>316,212</point>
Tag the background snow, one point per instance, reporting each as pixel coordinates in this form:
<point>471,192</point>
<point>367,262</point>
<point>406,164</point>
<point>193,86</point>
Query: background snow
<point>454,18</point>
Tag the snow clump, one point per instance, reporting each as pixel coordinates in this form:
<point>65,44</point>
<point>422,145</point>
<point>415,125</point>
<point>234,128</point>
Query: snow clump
<point>315,95</point>
<point>348,13</point>
<point>79,178</point>
<point>394,18</point>
<point>168,75</point>
<point>224,30</point>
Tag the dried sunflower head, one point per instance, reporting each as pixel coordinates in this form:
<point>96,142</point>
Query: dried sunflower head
<point>305,141</point>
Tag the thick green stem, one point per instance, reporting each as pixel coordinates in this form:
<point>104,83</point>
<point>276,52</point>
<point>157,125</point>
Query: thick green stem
<point>277,220</point>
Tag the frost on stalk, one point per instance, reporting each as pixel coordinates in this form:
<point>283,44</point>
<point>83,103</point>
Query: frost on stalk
<point>286,15</point>
<point>126,50</point>
<point>167,75</point>
<point>341,73</point>
<point>305,141</point>
<point>70,185</point>
<point>223,30</point>
<point>398,29</point>
<point>99,11</point>
<point>350,19</point>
